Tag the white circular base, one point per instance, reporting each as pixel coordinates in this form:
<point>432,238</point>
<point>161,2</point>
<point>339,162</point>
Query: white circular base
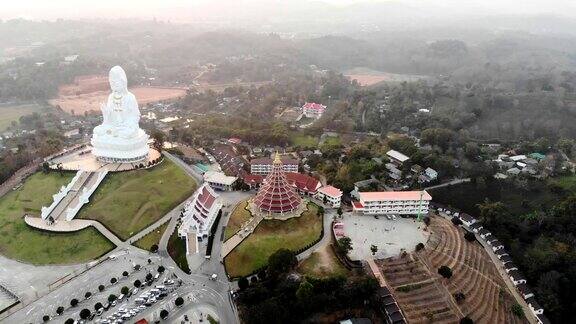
<point>111,149</point>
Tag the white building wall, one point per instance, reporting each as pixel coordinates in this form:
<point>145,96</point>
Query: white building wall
<point>400,207</point>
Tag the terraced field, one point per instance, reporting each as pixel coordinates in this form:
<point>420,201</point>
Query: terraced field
<point>426,297</point>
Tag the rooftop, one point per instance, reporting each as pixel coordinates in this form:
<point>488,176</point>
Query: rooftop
<point>313,105</point>
<point>397,155</point>
<point>394,195</point>
<point>219,177</point>
<point>330,191</point>
<point>285,160</point>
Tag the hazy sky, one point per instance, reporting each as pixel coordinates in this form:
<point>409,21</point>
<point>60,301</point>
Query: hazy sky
<point>51,9</point>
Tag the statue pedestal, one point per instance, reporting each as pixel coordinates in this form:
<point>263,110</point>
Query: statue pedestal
<point>111,149</point>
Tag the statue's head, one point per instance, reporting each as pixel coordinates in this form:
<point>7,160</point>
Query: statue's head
<point>118,80</point>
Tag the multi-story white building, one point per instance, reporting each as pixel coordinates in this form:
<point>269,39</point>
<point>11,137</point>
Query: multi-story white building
<point>263,166</point>
<point>393,202</point>
<point>333,195</point>
<point>313,110</point>
<point>397,157</point>
<point>200,213</point>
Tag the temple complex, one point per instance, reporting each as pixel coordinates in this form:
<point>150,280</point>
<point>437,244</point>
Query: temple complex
<point>276,197</point>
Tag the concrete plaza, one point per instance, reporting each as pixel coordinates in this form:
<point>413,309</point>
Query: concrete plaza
<point>390,236</point>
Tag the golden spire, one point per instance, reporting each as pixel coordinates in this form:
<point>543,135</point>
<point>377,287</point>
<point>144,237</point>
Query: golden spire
<point>277,158</point>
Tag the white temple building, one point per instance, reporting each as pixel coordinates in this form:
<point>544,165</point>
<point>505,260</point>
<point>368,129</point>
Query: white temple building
<point>199,214</point>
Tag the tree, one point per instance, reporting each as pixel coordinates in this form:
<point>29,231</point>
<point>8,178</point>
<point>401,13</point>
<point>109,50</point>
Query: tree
<point>60,310</point>
<point>101,288</point>
<point>113,280</point>
<point>149,276</point>
<point>373,249</point>
<point>253,279</point>
<point>70,321</point>
<point>137,283</point>
<point>469,236</point>
<point>445,272</point>
<point>466,320</point>
<point>98,305</point>
<point>154,248</point>
<point>125,290</point>
<point>45,167</point>
<point>125,274</point>
<point>262,274</point>
<point>305,291</point>
<point>112,298</point>
<point>281,262</point>
<point>490,211</point>
<point>163,314</point>
<point>74,302</point>
<point>459,297</point>
<point>344,245</point>
<point>339,211</point>
<point>85,313</point>
<point>87,295</point>
<point>243,283</point>
<point>137,267</point>
<point>159,139</point>
<point>179,301</point>
<point>426,220</point>
<point>161,269</point>
<point>45,318</point>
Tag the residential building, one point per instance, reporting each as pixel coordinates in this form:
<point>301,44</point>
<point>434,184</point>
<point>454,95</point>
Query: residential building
<point>397,157</point>
<point>431,173</point>
<point>525,291</point>
<point>263,166</point>
<point>393,202</point>
<point>332,195</point>
<point>467,219</point>
<point>516,277</point>
<point>313,110</point>
<point>219,180</point>
<point>200,213</point>
<point>534,306</point>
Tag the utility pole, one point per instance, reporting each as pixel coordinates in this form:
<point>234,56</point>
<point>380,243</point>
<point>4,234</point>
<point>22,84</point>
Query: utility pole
<point>420,207</point>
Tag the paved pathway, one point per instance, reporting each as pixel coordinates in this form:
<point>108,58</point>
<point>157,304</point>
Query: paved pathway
<point>329,214</point>
<point>449,183</point>
<point>187,168</point>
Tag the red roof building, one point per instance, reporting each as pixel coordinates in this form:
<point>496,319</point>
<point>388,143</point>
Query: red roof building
<point>277,195</point>
<point>313,110</point>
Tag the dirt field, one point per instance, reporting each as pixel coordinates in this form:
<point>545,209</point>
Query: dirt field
<point>78,104</point>
<point>368,77</point>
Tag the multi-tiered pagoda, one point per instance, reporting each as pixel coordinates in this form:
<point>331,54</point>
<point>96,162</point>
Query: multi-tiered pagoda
<point>276,195</point>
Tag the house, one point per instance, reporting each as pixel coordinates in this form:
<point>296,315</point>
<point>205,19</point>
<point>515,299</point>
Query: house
<point>475,227</point>
<point>263,166</point>
<point>510,266</point>
<point>516,277</point>
<point>500,176</point>
<point>304,184</point>
<point>525,291</point>
<point>234,140</point>
<point>313,110</point>
<point>500,253</point>
<point>431,173</point>
<point>537,156</point>
<point>513,171</point>
<point>484,233</point>
<point>518,158</point>
<point>219,180</point>
<point>392,202</point>
<point>332,195</point>
<point>467,219</point>
<point>534,306</point>
<point>397,157</point>
<point>416,168</point>
<point>505,260</point>
<point>496,245</point>
<point>72,133</point>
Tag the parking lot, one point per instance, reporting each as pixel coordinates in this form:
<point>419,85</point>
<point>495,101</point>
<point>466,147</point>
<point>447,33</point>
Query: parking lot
<point>389,236</point>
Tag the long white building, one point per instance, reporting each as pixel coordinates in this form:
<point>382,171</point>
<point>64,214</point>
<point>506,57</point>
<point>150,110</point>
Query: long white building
<point>392,202</point>
<point>200,213</point>
<point>263,166</point>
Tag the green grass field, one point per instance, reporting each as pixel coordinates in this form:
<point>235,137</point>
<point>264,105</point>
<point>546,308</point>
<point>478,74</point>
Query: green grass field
<point>304,141</point>
<point>128,202</point>
<point>13,113</point>
<point>239,216</point>
<point>21,242</point>
<point>271,235</point>
<point>332,141</point>
<point>177,250</point>
<point>152,238</point>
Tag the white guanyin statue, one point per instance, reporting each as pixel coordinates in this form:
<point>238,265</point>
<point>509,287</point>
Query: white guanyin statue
<point>119,137</point>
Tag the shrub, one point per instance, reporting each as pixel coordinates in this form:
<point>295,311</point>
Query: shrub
<point>253,279</point>
<point>113,280</point>
<point>137,267</point>
<point>60,310</point>
<point>125,274</point>
<point>149,277</point>
<point>459,297</point>
<point>179,301</point>
<point>98,306</point>
<point>419,246</point>
<point>161,269</point>
<point>125,290</point>
<point>85,313</point>
<point>154,248</point>
<point>137,283</point>
<point>45,318</point>
<point>69,321</point>
<point>466,320</point>
<point>74,302</point>
<point>101,288</point>
<point>262,274</point>
<point>163,314</point>
<point>469,236</point>
<point>112,298</point>
<point>517,310</point>
<point>426,220</point>
<point>87,295</point>
<point>445,272</point>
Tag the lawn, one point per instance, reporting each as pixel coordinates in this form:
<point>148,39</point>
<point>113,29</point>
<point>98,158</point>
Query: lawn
<point>128,202</point>
<point>20,242</point>
<point>151,238</point>
<point>322,264</point>
<point>13,113</point>
<point>271,235</point>
<point>177,251</point>
<point>304,141</point>
<point>239,216</point>
<point>332,141</point>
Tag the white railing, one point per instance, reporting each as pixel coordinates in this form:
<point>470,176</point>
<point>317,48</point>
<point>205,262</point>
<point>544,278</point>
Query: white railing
<point>57,198</point>
<point>85,196</point>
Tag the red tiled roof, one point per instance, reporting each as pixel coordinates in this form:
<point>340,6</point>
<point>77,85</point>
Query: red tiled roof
<point>330,191</point>
<point>276,195</point>
<point>313,105</point>
<point>302,181</point>
<point>253,178</point>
